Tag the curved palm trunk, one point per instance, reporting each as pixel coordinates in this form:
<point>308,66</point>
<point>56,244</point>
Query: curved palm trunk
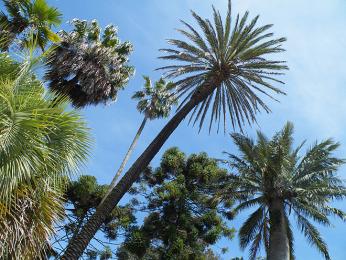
<point>126,158</point>
<point>278,241</point>
<point>76,247</point>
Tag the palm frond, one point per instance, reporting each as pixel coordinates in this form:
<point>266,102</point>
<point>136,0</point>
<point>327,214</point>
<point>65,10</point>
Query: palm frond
<point>312,235</point>
<point>41,145</point>
<point>28,18</point>
<point>251,227</point>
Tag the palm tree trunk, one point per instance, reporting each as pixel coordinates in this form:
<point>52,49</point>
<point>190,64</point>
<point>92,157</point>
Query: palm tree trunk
<point>76,247</point>
<point>278,241</point>
<point>126,158</point>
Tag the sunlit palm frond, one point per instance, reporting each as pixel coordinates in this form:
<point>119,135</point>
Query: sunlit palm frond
<point>41,144</point>
<point>28,19</point>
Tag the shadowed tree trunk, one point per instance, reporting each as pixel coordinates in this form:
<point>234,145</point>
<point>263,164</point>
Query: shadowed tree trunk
<point>278,242</point>
<point>77,246</point>
<point>126,158</point>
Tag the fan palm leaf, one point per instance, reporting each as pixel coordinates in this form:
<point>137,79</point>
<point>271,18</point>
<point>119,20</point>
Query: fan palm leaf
<point>41,144</point>
<point>87,67</point>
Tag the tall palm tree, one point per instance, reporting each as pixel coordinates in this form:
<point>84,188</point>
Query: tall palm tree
<point>224,66</point>
<point>88,67</point>
<point>28,19</point>
<point>272,176</point>
<point>41,144</point>
<point>154,102</point>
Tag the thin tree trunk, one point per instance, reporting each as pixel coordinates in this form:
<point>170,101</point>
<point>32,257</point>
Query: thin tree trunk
<point>76,247</point>
<point>278,241</point>
<point>126,158</point>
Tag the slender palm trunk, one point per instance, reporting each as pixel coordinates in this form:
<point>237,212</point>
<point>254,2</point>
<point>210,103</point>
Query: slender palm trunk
<point>278,241</point>
<point>76,247</point>
<point>126,158</point>
<point>79,225</point>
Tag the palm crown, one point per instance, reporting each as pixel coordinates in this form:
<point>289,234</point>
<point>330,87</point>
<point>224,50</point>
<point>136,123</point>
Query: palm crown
<point>87,67</point>
<point>155,101</point>
<point>270,170</point>
<point>30,18</point>
<point>228,57</point>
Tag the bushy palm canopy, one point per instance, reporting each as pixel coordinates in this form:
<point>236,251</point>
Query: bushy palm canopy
<point>28,19</point>
<point>40,145</point>
<point>230,58</point>
<point>88,67</point>
<point>155,101</point>
<point>267,170</point>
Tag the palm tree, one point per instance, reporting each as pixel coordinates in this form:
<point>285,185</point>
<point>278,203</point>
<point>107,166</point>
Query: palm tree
<point>41,144</point>
<point>227,64</point>
<point>272,176</point>
<point>154,102</point>
<point>87,67</point>
<point>29,19</point>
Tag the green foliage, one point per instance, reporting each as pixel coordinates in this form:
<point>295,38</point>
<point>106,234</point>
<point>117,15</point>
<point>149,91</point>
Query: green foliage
<point>155,101</point>
<point>181,223</point>
<point>229,58</point>
<point>41,144</point>
<point>106,253</point>
<point>82,197</point>
<point>29,21</point>
<point>87,66</point>
<point>271,170</point>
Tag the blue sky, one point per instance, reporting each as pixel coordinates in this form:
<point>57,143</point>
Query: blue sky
<point>315,84</point>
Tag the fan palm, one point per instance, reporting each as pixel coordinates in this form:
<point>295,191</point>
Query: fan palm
<point>225,62</point>
<point>154,102</point>
<point>40,145</point>
<point>274,178</point>
<point>88,68</point>
<point>28,19</point>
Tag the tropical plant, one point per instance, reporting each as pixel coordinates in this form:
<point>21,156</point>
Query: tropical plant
<point>40,146</point>
<point>182,223</point>
<point>82,197</point>
<point>87,67</point>
<point>154,102</point>
<point>230,62</point>
<point>272,176</point>
<point>28,20</point>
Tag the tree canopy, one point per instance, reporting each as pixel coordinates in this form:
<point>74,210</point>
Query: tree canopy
<point>89,66</point>
<point>182,223</point>
<point>28,21</point>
